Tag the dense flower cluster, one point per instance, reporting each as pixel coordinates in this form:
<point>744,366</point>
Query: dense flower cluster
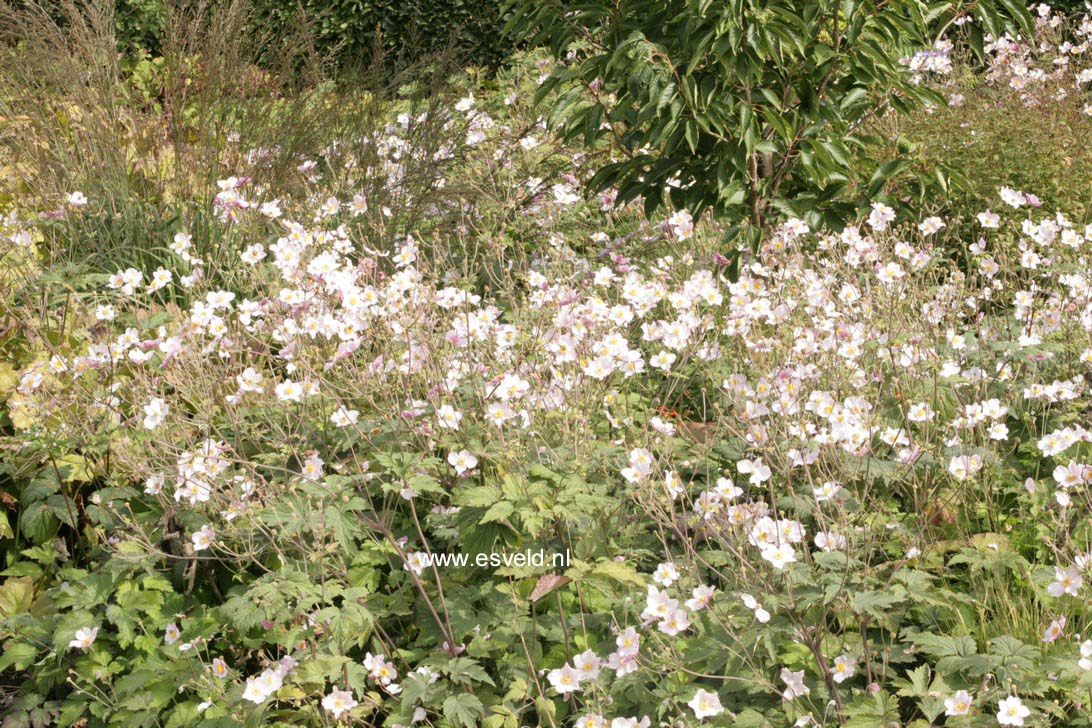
<point>789,490</point>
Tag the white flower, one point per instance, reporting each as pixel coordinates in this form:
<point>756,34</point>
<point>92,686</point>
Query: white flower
<point>779,556</point>
<point>830,541</point>
<point>250,380</point>
<point>256,252</point>
<point>880,216</point>
<point>665,574</point>
<point>564,679</point>
<point>345,417</point>
<point>203,538</point>
<point>1085,663</point>
<point>289,391</point>
<point>758,470</point>
<point>171,634</point>
<point>587,664</point>
<point>843,668</point>
<point>1012,711</point>
<point>662,360</point>
<point>77,199</point>
<point>85,637</point>
<point>339,701</point>
<point>261,687</point>
<point>160,279</point>
<point>681,224</point>
<point>705,704</point>
<point>312,467</point>
<point>794,684</point>
<point>155,412</point>
<point>448,417</point>
<point>154,485</point>
<point>964,466</point>
<point>379,669</point>
<point>640,465</point>
<point>1012,198</point>
<point>463,461</point>
<point>958,704</point>
<point>417,561</point>
<point>930,225</point>
<point>826,491</point>
<point>920,412</point>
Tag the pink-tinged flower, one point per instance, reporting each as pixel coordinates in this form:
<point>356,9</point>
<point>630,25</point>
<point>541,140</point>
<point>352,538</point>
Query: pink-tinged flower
<point>705,704</point>
<point>219,668</point>
<point>1054,630</point>
<point>1066,581</point>
<point>1071,474</point>
<point>171,634</point>
<point>701,597</point>
<point>675,623</point>
<point>931,225</point>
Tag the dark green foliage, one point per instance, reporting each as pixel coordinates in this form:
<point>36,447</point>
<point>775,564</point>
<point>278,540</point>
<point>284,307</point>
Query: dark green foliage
<point>343,30</point>
<point>408,29</point>
<point>751,108</point>
<point>347,29</point>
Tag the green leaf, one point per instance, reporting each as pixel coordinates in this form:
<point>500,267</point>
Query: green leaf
<point>16,596</point>
<point>499,511</point>
<point>19,655</point>
<point>691,132</point>
<point>463,709</point>
<point>480,496</point>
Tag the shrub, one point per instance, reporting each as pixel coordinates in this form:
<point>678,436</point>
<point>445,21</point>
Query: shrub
<point>408,31</point>
<point>749,109</point>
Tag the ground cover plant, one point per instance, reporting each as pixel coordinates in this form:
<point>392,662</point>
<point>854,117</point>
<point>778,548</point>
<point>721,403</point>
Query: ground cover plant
<point>393,421</point>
